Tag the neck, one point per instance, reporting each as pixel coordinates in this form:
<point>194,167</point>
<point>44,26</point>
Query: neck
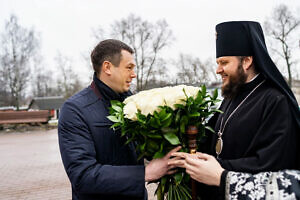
<point>105,81</point>
<point>251,77</point>
<point>254,77</point>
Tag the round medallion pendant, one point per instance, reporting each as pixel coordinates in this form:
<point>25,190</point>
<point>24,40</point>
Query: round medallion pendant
<point>219,146</point>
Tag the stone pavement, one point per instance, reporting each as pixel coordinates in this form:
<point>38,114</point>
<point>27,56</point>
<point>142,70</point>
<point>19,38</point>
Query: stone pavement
<point>31,167</point>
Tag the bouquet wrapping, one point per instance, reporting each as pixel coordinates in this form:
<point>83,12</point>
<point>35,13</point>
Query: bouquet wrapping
<point>156,121</point>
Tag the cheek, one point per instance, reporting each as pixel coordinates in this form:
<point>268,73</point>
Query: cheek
<point>229,69</point>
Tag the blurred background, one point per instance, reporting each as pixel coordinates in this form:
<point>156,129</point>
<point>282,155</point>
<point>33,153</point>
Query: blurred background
<point>45,45</point>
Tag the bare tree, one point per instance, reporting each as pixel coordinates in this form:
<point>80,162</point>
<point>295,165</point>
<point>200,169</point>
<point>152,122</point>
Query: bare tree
<point>4,92</point>
<point>69,82</point>
<point>148,41</point>
<point>159,77</point>
<point>43,83</point>
<point>193,71</point>
<point>280,28</point>
<point>18,46</point>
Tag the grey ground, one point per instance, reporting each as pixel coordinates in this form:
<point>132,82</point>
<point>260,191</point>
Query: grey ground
<point>31,167</point>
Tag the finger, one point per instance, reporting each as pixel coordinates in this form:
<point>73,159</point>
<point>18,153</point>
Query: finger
<point>194,161</point>
<point>172,171</point>
<point>176,158</point>
<point>179,154</point>
<point>191,170</point>
<point>173,151</point>
<point>203,156</point>
<point>176,163</point>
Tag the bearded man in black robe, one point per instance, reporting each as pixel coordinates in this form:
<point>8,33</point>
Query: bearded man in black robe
<point>259,127</point>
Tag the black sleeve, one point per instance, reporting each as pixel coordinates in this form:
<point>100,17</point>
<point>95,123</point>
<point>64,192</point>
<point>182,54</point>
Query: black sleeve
<point>223,183</point>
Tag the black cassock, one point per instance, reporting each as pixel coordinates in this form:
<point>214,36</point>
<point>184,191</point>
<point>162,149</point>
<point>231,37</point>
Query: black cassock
<point>260,136</point>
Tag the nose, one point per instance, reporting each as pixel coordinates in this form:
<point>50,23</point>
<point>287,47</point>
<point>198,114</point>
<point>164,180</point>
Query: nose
<point>219,69</point>
<point>133,75</point>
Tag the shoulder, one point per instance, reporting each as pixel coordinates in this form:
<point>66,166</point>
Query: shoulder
<point>78,103</point>
<point>272,94</point>
<point>82,99</point>
<point>271,90</point>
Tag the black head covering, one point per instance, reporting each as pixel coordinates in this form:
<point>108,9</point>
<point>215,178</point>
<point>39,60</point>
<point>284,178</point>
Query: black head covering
<point>246,38</point>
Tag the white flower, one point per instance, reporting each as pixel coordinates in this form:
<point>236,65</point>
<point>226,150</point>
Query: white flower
<point>148,101</point>
<point>130,110</point>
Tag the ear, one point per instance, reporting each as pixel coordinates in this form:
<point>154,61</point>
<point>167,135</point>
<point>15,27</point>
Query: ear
<point>106,68</point>
<point>247,62</point>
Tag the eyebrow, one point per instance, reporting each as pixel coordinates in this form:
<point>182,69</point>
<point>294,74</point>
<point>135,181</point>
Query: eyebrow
<point>131,64</point>
<point>221,61</point>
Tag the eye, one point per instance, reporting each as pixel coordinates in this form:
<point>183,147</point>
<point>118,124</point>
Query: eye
<point>223,62</point>
<point>130,67</point>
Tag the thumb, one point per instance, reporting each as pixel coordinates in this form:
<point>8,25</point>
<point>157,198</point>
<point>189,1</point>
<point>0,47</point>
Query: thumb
<point>173,151</point>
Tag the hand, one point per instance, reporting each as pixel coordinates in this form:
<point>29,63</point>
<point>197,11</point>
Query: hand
<point>160,167</point>
<point>201,167</point>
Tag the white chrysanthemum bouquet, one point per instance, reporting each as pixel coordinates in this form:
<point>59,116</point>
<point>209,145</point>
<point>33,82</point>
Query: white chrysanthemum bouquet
<point>157,119</point>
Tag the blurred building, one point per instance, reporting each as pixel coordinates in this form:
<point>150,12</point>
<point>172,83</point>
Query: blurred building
<point>52,104</point>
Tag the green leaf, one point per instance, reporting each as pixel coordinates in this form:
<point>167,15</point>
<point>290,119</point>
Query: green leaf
<point>179,106</point>
<point>142,147</point>
<point>178,178</point>
<point>163,183</point>
<point>113,118</point>
<point>152,146</point>
<point>158,155</point>
<point>154,136</point>
<point>195,114</point>
<point>167,122</point>
<point>162,114</point>
<point>203,89</point>
<point>116,102</point>
<point>177,117</point>
<point>159,193</point>
<point>116,108</point>
<point>153,123</point>
<point>199,98</point>
<point>166,117</point>
<point>183,123</point>
<point>185,191</point>
<point>172,138</point>
<point>115,125</point>
<point>141,156</point>
<point>215,94</point>
<point>161,146</point>
<point>210,129</point>
<point>168,130</point>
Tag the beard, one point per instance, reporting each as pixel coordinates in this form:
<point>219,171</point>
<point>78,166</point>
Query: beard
<point>235,82</point>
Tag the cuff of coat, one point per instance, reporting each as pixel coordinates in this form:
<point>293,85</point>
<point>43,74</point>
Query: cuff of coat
<point>140,180</point>
<point>131,180</point>
<point>226,164</point>
<point>223,183</point>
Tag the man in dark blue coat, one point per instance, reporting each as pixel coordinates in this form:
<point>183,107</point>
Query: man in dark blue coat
<point>96,159</point>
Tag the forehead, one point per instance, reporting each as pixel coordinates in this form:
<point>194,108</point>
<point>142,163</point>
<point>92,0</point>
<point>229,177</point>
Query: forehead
<point>227,59</point>
<point>127,58</point>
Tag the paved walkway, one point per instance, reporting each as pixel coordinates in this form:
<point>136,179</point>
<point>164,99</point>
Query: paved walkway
<point>31,167</point>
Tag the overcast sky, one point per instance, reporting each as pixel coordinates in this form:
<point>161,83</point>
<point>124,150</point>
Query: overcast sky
<point>65,25</point>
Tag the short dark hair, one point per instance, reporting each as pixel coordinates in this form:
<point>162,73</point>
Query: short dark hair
<point>108,50</point>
